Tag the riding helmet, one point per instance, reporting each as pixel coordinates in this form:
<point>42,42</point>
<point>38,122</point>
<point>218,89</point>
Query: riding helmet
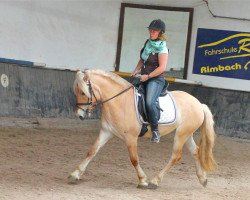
<point>157,24</point>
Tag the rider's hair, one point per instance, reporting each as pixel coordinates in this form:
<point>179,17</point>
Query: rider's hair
<point>162,36</point>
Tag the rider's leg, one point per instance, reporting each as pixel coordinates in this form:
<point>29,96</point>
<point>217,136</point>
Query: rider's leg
<point>153,90</point>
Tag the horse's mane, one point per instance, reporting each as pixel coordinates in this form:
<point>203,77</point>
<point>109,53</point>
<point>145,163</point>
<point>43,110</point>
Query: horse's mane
<point>114,77</point>
<point>108,75</point>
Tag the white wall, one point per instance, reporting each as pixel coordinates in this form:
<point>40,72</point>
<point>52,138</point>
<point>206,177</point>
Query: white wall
<point>83,33</point>
<point>62,34</point>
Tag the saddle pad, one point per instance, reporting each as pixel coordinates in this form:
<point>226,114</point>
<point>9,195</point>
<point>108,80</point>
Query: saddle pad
<point>167,104</point>
<point>168,112</point>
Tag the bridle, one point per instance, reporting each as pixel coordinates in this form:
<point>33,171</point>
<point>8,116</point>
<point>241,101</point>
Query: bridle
<point>91,105</point>
<point>90,101</point>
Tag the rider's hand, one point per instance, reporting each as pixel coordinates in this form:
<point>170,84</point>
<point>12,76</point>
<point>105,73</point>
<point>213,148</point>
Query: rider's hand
<point>133,74</point>
<point>144,78</point>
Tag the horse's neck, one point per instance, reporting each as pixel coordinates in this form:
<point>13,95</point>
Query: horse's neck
<point>107,87</point>
<point>117,109</point>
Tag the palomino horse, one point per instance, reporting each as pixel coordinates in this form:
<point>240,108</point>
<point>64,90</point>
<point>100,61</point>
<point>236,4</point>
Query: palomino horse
<point>118,117</point>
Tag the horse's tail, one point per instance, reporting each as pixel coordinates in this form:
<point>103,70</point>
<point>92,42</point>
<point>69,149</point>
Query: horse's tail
<point>207,141</point>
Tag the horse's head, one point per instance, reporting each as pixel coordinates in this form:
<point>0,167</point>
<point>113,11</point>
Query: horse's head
<point>85,98</point>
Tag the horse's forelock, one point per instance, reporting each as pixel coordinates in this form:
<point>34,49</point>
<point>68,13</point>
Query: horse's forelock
<point>81,84</point>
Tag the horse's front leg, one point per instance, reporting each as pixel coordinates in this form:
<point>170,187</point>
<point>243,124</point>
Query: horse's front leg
<point>103,137</point>
<point>133,154</point>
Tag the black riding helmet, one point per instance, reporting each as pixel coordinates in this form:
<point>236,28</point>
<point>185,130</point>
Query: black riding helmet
<point>157,24</point>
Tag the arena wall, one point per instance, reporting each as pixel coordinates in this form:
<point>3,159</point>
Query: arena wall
<point>36,92</point>
<point>42,92</point>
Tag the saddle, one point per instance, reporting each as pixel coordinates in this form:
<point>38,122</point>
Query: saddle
<point>141,105</point>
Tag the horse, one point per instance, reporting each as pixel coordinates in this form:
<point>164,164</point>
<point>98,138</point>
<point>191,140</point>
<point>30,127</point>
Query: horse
<point>115,96</point>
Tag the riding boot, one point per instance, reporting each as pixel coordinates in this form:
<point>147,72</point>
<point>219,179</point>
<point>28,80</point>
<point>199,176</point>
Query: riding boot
<point>155,133</point>
<point>144,129</point>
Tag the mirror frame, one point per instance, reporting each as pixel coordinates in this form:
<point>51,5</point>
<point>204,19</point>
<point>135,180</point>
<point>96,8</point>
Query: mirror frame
<point>152,7</point>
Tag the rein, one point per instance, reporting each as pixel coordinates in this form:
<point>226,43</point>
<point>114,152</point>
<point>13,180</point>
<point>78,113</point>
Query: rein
<point>102,102</point>
<point>90,102</point>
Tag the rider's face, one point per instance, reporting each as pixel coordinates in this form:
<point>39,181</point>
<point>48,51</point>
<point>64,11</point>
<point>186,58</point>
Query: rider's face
<point>154,33</point>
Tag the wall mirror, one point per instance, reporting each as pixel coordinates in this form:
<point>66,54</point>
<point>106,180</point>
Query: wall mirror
<point>133,32</point>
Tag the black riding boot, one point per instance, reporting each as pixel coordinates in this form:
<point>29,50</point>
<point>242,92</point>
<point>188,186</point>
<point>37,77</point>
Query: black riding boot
<point>155,133</point>
<point>144,129</point>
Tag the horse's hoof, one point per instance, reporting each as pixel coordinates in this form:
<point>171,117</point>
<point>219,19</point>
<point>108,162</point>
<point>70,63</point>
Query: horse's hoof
<point>72,180</point>
<point>152,186</point>
<point>143,187</point>
<point>204,184</point>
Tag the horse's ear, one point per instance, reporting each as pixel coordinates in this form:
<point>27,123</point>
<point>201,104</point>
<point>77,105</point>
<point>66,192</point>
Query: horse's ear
<point>85,77</point>
<point>78,71</point>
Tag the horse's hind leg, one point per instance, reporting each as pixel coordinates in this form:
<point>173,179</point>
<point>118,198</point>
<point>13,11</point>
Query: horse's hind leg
<point>179,140</point>
<point>133,154</point>
<point>103,137</point>
<point>193,148</point>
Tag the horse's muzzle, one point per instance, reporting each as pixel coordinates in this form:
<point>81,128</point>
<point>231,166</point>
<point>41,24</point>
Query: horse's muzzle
<point>81,114</point>
<point>84,114</point>
<point>81,117</point>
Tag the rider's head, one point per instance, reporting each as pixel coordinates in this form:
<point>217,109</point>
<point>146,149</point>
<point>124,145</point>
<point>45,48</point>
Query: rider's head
<point>157,24</point>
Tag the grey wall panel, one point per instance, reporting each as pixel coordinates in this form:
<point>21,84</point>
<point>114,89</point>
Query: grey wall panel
<point>36,92</point>
<point>4,92</point>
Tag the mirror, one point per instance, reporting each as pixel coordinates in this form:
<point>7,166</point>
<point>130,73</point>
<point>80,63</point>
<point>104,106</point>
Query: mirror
<point>133,32</point>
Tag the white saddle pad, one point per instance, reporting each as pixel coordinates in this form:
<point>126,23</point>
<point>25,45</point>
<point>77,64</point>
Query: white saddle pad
<point>167,104</point>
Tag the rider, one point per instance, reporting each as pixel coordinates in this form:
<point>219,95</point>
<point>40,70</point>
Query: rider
<point>152,63</point>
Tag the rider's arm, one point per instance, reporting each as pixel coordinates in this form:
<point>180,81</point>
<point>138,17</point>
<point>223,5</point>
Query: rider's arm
<point>138,67</point>
<point>163,59</point>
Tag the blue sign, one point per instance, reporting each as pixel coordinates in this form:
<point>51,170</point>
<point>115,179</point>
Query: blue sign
<point>222,53</point>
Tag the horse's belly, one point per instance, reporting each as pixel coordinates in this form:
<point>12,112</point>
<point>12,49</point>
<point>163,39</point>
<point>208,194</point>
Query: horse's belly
<point>163,129</point>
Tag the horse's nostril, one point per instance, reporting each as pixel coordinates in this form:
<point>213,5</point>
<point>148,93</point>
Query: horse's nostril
<point>81,117</point>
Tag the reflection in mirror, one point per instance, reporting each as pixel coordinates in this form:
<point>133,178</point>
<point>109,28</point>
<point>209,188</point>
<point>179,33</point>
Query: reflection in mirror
<point>133,32</point>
